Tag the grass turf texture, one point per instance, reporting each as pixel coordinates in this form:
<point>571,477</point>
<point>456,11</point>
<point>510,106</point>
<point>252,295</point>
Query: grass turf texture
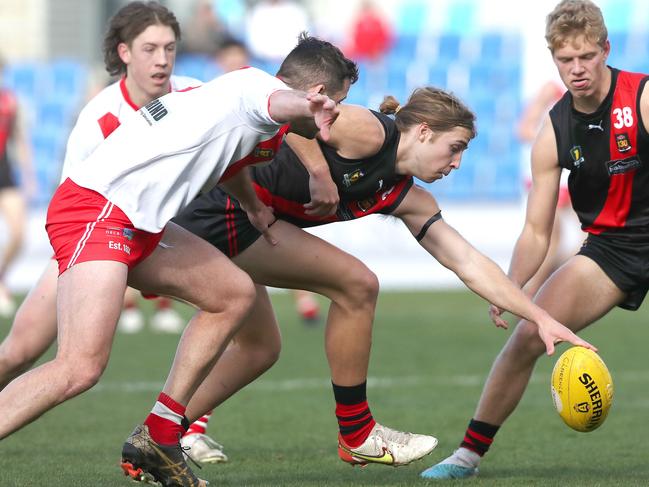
<point>431,353</point>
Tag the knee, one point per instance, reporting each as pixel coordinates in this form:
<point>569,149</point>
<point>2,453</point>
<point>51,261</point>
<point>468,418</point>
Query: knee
<point>360,287</point>
<point>263,356</point>
<point>82,374</point>
<point>525,343</point>
<point>14,360</point>
<point>236,301</point>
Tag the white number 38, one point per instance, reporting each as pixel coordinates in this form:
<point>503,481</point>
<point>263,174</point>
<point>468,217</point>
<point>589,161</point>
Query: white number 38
<point>623,117</point>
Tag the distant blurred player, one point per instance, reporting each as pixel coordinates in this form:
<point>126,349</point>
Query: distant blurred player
<point>598,132</point>
<point>140,45</point>
<point>13,204</point>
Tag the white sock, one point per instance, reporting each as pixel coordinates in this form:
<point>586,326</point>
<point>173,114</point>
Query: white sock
<point>464,458</point>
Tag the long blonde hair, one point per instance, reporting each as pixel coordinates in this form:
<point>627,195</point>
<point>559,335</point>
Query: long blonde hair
<point>438,109</point>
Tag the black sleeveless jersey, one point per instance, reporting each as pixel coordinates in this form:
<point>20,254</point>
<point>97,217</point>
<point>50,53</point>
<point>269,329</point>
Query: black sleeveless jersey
<point>365,186</point>
<point>607,154</point>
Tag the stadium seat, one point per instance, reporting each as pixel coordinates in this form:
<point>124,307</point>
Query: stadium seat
<point>449,47</point>
<point>68,78</point>
<point>24,78</point>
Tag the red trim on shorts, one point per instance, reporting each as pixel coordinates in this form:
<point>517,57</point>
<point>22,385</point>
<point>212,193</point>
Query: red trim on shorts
<point>233,245</point>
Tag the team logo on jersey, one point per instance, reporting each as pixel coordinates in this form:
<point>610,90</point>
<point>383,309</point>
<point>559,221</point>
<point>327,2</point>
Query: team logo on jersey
<point>577,156</point>
<point>127,233</point>
<point>352,178</point>
<point>153,112</point>
<point>622,141</point>
<point>622,166</point>
<point>366,204</point>
<point>264,153</point>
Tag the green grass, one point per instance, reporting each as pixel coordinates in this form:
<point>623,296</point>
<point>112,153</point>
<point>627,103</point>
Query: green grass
<point>431,353</point>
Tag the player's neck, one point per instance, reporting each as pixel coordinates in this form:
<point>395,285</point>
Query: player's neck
<point>137,95</point>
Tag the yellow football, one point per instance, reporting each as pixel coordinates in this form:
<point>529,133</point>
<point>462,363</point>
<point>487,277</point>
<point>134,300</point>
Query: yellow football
<point>582,389</point>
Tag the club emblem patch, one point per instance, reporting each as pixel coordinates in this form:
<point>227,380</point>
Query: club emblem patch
<point>622,141</point>
<point>577,156</point>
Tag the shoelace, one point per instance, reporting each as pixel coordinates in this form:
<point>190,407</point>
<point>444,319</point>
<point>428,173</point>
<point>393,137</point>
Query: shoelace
<point>185,452</point>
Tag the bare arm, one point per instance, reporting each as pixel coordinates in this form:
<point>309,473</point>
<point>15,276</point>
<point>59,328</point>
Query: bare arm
<point>306,112</point>
<point>534,240</point>
<point>241,188</point>
<point>478,272</point>
<point>324,193</point>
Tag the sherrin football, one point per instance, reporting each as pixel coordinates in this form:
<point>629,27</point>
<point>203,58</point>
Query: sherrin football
<point>582,389</point>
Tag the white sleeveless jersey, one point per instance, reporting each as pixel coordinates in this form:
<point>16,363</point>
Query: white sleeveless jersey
<point>161,156</point>
<point>102,115</point>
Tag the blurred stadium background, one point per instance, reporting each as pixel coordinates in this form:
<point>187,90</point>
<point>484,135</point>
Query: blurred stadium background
<point>490,53</point>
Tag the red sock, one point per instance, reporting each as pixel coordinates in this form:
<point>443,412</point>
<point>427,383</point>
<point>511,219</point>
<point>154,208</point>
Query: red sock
<point>165,420</point>
<point>355,422</point>
<point>200,425</point>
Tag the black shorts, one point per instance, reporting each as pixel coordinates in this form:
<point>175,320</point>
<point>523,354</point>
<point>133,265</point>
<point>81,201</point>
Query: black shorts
<point>625,262</point>
<point>219,219</point>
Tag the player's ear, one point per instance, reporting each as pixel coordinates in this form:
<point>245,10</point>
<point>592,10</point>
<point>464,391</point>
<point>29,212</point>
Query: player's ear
<point>320,89</point>
<point>124,52</point>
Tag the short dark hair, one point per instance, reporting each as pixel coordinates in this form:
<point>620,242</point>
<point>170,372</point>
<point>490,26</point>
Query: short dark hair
<point>128,23</point>
<point>314,61</point>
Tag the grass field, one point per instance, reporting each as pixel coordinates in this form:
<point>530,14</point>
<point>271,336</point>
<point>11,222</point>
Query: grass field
<point>431,354</point>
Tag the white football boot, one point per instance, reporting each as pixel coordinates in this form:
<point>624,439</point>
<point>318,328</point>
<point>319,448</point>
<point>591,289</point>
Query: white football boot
<point>388,447</point>
<point>203,449</point>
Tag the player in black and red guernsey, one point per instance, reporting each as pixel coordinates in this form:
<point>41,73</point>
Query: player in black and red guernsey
<point>372,159</point>
<point>598,132</point>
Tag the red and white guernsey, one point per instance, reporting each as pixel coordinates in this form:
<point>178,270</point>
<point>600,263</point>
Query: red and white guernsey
<point>102,115</point>
<point>162,155</point>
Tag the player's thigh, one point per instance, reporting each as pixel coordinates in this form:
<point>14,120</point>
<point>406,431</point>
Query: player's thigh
<point>301,260</point>
<point>89,302</point>
<point>34,325</point>
<point>579,293</point>
<point>187,267</point>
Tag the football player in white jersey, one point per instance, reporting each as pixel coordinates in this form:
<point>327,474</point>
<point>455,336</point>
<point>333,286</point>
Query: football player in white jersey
<point>108,225</point>
<point>140,47</point>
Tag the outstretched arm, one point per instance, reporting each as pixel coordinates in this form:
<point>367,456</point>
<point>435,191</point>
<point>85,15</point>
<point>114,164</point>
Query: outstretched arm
<point>477,271</point>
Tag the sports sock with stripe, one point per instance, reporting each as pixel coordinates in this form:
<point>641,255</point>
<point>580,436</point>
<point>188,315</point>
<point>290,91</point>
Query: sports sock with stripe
<point>166,421</point>
<point>479,436</point>
<point>355,419</point>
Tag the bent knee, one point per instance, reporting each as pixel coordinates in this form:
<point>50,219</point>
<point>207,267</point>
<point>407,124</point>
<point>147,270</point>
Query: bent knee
<point>360,286</point>
<point>237,298</point>
<point>82,375</point>
<point>525,341</point>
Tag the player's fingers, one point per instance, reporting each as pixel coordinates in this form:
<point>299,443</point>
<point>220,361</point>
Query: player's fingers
<point>583,343</point>
<point>268,235</point>
<point>549,346</point>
